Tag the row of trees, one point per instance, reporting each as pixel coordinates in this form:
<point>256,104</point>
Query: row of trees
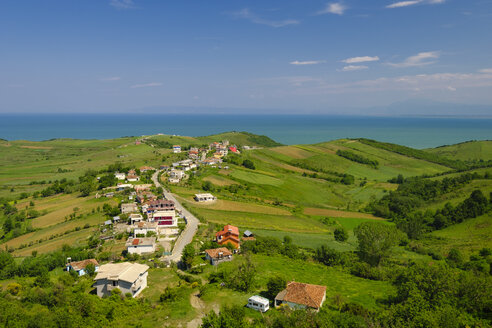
<point>351,156</point>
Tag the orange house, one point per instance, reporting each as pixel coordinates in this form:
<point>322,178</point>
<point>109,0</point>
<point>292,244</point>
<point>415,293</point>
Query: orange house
<point>229,234</point>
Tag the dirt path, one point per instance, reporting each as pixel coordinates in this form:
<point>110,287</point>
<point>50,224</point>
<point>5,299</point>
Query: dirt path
<point>200,308</point>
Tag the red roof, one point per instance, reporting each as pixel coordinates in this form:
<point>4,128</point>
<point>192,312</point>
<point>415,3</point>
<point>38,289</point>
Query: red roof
<point>135,241</point>
<point>228,229</point>
<point>305,294</point>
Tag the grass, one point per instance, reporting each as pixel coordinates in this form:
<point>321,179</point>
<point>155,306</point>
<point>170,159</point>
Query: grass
<point>227,205</point>
<point>468,236</point>
<point>255,178</point>
<point>471,150</point>
<point>353,289</point>
<point>339,214</point>
<point>219,180</point>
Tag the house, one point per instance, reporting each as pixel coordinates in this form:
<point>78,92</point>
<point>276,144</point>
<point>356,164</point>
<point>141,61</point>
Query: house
<point>233,149</point>
<point>258,303</point>
<point>146,169</point>
<point>165,218</point>
<point>141,228</point>
<point>159,204</point>
<point>127,277</point>
<point>298,295</point>
<point>135,217</point>
<point>123,186</point>
<point>109,195</point>
<point>129,208</point>
<point>218,255</point>
<point>80,266</point>
<point>178,174</point>
<point>139,246</point>
<point>132,176</point>
<point>229,234</point>
<point>176,149</point>
<point>164,167</point>
<point>145,195</point>
<point>248,235</point>
<point>205,197</point>
<point>120,176</point>
<point>108,222</point>
<point>142,187</point>
<point>116,219</point>
<point>173,180</point>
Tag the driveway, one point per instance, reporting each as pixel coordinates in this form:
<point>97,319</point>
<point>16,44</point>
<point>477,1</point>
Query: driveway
<point>191,224</point>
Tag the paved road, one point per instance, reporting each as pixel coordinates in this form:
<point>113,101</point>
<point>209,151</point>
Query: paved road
<point>191,224</point>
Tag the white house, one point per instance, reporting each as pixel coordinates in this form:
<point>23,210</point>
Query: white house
<point>127,277</point>
<point>218,255</point>
<point>258,303</point>
<point>135,217</point>
<point>140,245</point>
<point>176,174</point>
<point>80,266</point>
<point>165,218</point>
<point>120,176</point>
<point>141,228</point>
<point>176,149</point>
<point>205,197</point>
<point>173,180</point>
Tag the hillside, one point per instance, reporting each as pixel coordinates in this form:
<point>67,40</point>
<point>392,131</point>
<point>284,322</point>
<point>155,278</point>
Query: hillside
<point>465,151</point>
<point>293,198</point>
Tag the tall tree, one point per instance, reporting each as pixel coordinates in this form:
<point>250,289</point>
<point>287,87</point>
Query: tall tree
<point>375,241</point>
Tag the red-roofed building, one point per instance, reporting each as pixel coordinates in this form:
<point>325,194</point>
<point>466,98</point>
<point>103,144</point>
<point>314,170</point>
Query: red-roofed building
<point>229,234</point>
<point>301,296</point>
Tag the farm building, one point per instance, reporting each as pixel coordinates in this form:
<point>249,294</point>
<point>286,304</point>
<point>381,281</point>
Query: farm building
<point>79,266</point>
<point>301,296</point>
<point>205,197</point>
<point>218,255</point>
<point>258,303</point>
<point>140,245</point>
<point>127,277</point>
<point>229,234</point>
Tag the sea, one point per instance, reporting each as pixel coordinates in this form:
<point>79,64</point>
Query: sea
<point>416,132</point>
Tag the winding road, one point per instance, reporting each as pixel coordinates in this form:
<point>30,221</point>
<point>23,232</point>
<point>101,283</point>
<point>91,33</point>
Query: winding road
<point>187,234</point>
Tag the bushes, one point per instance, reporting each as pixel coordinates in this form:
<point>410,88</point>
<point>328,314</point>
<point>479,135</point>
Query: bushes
<point>351,156</point>
<point>249,164</point>
<point>340,234</point>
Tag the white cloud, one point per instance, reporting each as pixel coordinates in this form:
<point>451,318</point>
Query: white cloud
<point>407,3</point>
<point>362,59</point>
<point>486,70</point>
<point>420,59</point>
<point>350,68</point>
<point>403,4</point>
<point>122,4</point>
<point>306,62</point>
<point>111,78</point>
<point>146,85</point>
<point>336,8</point>
<point>252,17</point>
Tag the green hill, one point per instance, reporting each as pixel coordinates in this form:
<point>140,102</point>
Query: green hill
<point>465,151</point>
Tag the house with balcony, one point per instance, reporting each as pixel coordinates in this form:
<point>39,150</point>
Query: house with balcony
<point>127,277</point>
<point>140,246</point>
<point>165,218</point>
<point>229,234</point>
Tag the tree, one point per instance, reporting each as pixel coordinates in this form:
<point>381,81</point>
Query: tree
<point>328,256</point>
<point>249,164</point>
<point>229,317</point>
<point>207,186</point>
<point>375,241</point>
<point>188,256</point>
<point>243,277</point>
<point>274,286</point>
<point>340,234</point>
<point>90,269</point>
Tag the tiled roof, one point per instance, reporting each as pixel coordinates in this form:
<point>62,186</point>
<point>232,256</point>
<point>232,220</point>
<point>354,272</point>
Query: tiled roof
<point>228,228</point>
<point>214,253</point>
<point>305,294</point>
<point>82,264</point>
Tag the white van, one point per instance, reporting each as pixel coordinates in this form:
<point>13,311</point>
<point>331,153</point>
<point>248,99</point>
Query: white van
<point>258,303</point>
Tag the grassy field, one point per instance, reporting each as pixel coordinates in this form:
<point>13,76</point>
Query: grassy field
<point>475,150</point>
<point>468,236</point>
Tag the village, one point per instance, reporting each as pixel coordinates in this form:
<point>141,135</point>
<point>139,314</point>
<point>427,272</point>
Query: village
<point>156,224</point>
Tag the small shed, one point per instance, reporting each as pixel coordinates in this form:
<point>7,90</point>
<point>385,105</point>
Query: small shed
<point>248,233</point>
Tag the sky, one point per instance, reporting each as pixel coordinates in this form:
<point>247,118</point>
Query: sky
<point>277,56</point>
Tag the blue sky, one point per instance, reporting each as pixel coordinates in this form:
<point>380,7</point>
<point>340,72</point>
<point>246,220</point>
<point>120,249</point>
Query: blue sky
<point>282,56</point>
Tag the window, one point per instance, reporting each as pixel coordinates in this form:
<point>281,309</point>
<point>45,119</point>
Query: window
<point>115,283</point>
